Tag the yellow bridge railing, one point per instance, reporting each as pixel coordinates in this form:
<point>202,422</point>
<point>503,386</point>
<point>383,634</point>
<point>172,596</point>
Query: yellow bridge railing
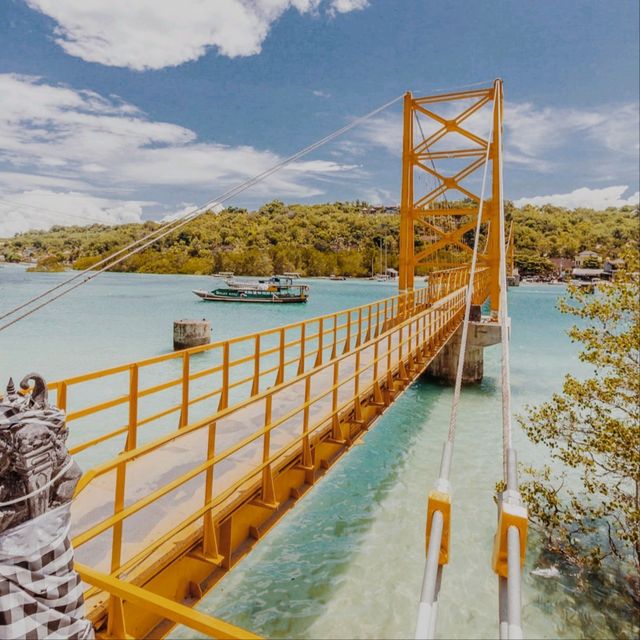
<point>209,484</point>
<point>163,391</point>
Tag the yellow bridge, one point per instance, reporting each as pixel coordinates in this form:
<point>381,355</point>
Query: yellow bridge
<point>191,457</point>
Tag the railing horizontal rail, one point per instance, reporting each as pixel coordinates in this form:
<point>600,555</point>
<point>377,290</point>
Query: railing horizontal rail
<point>403,339</point>
<point>165,608</point>
<point>315,340</point>
<point>342,360</point>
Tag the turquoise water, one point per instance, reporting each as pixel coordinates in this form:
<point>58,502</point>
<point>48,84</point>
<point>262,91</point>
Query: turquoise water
<point>347,561</point>
<point>120,317</point>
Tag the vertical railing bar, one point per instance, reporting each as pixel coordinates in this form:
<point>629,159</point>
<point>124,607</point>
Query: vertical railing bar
<point>132,426</point>
<point>281,356</point>
<point>255,387</point>
<point>209,541</point>
<point>318,361</point>
<point>334,402</point>
<point>347,340</point>
<point>303,340</point>
<point>335,336</point>
<point>184,410</point>
<point>61,398</point>
<point>224,394</point>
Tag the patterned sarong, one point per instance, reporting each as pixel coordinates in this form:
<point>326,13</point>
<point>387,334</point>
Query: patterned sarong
<point>40,593</point>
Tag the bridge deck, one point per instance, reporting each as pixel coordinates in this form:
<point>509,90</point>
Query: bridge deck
<point>178,511</point>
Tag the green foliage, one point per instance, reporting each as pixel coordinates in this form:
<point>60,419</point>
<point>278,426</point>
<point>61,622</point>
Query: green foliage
<point>315,240</point>
<point>590,510</point>
<point>48,264</point>
<point>555,232</point>
<point>533,265</point>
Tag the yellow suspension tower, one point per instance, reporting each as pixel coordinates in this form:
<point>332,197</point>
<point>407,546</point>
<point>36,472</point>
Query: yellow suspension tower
<point>437,129</point>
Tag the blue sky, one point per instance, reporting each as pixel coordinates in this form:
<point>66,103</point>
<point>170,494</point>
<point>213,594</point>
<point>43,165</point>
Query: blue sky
<point>121,110</point>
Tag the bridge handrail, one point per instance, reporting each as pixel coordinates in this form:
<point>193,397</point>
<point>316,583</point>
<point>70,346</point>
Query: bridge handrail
<point>120,516</point>
<point>176,612</point>
<point>445,306</point>
<point>132,453</point>
<point>315,339</point>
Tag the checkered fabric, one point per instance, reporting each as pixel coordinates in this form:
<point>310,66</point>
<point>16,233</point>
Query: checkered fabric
<point>40,593</point>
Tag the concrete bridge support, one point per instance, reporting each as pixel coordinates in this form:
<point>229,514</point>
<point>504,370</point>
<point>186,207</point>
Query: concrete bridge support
<point>482,333</point>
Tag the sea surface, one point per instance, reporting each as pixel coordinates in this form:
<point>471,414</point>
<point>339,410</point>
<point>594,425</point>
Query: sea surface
<point>347,561</point>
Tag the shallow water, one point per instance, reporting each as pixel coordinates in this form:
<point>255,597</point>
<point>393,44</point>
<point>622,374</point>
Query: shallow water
<point>347,561</point>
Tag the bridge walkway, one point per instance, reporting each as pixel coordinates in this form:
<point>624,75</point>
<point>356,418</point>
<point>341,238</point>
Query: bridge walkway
<point>172,515</point>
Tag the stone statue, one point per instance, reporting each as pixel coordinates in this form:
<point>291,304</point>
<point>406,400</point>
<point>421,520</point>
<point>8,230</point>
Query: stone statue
<point>36,471</point>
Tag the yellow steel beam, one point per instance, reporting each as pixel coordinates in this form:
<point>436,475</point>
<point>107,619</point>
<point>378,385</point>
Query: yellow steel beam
<point>418,156</point>
<point>453,211</point>
<point>163,607</point>
<point>453,153</point>
<point>405,275</point>
<point>496,221</point>
<point>448,238</point>
<point>457,95</point>
<point>444,235</point>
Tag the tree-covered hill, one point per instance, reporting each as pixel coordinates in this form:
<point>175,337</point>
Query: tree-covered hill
<point>341,238</point>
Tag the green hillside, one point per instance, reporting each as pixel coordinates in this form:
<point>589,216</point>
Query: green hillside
<point>341,238</point>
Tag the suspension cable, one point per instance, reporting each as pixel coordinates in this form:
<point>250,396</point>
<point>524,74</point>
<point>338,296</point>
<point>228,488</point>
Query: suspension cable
<point>440,500</point>
<point>510,540</point>
<point>138,245</point>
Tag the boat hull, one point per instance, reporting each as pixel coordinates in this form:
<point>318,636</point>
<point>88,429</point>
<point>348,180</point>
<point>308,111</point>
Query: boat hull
<point>263,298</point>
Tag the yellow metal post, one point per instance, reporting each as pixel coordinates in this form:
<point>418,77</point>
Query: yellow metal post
<point>495,219</point>
<point>184,410</point>
<point>405,276</point>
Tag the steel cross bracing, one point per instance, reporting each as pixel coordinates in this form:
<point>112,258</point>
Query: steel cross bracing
<point>450,141</point>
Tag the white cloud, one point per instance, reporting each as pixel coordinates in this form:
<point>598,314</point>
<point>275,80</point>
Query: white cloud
<point>42,208</point>
<point>148,34</point>
<point>56,138</point>
<point>586,197</point>
<point>379,196</point>
<point>534,133</point>
<point>382,131</point>
<point>535,137</point>
<point>345,6</point>
<point>321,94</point>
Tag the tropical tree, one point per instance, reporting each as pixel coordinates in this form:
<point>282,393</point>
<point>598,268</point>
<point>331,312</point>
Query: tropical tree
<point>587,501</point>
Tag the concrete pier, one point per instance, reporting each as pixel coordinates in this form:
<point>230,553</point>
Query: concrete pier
<point>191,333</point>
<point>482,333</point>
<point>513,280</point>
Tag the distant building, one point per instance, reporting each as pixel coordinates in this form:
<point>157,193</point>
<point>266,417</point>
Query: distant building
<point>383,208</point>
<point>583,256</point>
<point>589,275</point>
<point>612,265</point>
<point>562,266</point>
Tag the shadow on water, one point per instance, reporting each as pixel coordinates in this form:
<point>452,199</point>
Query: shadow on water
<point>286,583</point>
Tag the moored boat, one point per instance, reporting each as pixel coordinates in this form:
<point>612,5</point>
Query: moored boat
<point>274,290</point>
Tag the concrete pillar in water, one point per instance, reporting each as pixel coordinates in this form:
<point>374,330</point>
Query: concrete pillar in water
<point>514,279</point>
<point>191,333</point>
<point>482,333</point>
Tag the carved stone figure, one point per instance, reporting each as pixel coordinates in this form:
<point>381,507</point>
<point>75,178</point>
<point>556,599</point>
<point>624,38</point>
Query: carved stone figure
<point>36,471</point>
